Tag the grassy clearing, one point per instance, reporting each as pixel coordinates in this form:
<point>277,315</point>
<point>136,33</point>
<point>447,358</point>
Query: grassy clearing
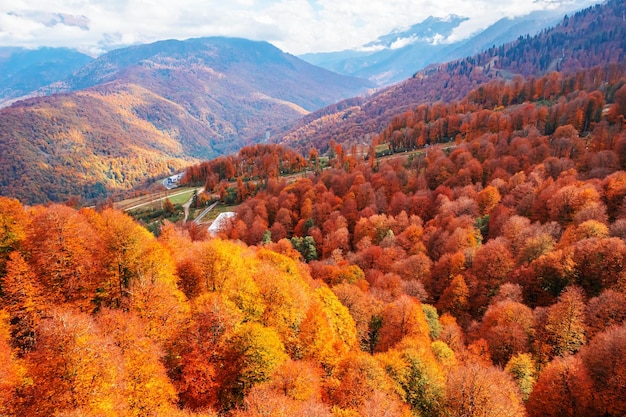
<point>382,148</point>
<point>145,199</point>
<point>181,198</point>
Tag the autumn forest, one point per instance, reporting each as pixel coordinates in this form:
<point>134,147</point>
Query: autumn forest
<point>485,270</point>
<point>467,261</point>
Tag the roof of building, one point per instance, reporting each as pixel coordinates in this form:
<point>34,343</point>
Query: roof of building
<point>220,222</point>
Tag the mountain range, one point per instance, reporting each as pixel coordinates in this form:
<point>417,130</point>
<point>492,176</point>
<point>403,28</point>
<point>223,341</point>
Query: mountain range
<point>145,111</point>
<point>398,55</point>
<point>152,109</point>
<point>395,56</point>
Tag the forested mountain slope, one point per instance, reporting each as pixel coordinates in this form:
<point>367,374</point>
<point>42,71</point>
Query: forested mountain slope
<point>148,110</point>
<point>594,36</point>
<point>515,232</point>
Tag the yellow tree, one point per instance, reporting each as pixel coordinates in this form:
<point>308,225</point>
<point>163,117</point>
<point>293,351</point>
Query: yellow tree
<point>123,246</point>
<point>153,293</point>
<point>147,387</point>
<point>328,331</point>
<point>523,370</point>
<point>63,248</point>
<point>226,267</point>
<point>138,274</point>
<point>75,369</point>
<point>285,294</point>
<point>585,230</point>
<point>418,376</point>
<point>444,354</point>
<point>22,300</point>
<point>161,305</point>
<point>317,339</point>
<point>11,370</point>
<point>220,260</point>
<point>13,225</point>
<point>488,199</point>
<point>254,352</point>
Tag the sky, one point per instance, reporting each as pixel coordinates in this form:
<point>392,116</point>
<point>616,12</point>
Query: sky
<point>295,26</point>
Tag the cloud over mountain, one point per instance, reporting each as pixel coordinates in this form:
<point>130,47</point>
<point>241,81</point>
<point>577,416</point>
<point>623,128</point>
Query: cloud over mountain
<point>296,26</point>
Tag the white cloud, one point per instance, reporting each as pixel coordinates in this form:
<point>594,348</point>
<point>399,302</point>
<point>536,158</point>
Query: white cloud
<point>402,42</point>
<point>296,26</point>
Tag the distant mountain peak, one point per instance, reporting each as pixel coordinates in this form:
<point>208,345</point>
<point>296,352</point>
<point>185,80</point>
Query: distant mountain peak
<point>24,71</point>
<point>432,30</point>
<point>400,53</point>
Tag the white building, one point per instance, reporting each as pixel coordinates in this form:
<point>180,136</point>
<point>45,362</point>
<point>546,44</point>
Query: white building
<point>172,181</point>
<point>220,222</point>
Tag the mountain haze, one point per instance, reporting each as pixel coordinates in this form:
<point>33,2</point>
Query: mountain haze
<point>400,54</point>
<point>395,56</point>
<point>503,31</point>
<point>23,71</point>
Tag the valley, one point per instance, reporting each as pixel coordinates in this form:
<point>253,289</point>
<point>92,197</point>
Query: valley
<point>148,111</point>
